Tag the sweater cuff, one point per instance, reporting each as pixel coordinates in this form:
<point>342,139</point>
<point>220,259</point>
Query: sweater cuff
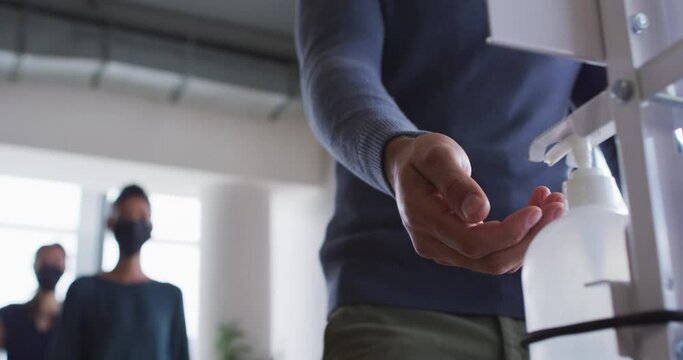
<point>372,145</point>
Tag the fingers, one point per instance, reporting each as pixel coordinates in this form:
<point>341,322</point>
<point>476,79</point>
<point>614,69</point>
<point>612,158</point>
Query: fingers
<point>442,208</point>
<point>508,260</point>
<point>511,259</point>
<point>538,196</point>
<point>483,239</point>
<point>446,166</point>
<point>423,210</point>
<point>551,212</point>
<point>554,197</point>
<point>433,249</point>
<point>430,215</point>
<point>542,196</point>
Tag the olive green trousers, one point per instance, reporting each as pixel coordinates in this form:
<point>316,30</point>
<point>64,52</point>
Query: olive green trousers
<point>379,332</point>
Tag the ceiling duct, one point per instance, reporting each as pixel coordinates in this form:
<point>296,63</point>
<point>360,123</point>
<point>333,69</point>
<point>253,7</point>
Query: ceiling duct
<point>82,48</point>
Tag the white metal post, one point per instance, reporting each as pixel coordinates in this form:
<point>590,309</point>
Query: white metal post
<point>641,44</point>
<point>650,268</point>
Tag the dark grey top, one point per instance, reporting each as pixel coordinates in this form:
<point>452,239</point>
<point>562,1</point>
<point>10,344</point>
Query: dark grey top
<point>104,320</point>
<point>23,340</point>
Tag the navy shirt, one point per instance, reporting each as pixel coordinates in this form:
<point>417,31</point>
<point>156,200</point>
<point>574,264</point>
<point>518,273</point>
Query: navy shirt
<point>23,341</point>
<point>372,70</point>
<point>104,320</point>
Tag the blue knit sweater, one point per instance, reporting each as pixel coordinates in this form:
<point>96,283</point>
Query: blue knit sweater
<point>375,69</point>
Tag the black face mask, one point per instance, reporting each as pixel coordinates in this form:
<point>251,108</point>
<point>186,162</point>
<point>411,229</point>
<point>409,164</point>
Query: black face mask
<point>131,235</point>
<point>48,276</point>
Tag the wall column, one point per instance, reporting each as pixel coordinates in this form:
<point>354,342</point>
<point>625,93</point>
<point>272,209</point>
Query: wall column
<point>235,266</point>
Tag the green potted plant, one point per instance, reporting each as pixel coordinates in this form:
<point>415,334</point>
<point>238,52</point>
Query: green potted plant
<point>230,342</point>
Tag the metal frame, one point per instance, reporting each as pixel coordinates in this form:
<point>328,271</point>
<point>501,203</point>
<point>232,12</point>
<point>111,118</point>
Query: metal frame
<point>651,269</point>
<point>643,52</point>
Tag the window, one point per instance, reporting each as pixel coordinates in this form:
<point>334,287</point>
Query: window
<point>34,213</point>
<point>172,255</point>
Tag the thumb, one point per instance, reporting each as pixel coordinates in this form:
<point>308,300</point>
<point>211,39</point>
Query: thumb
<point>446,166</point>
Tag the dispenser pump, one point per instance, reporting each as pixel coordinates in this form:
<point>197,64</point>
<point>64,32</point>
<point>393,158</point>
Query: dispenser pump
<point>589,184</point>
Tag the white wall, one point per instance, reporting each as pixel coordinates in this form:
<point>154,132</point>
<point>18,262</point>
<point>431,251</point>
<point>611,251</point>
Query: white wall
<point>193,136</point>
<point>235,276</point>
<point>298,219</point>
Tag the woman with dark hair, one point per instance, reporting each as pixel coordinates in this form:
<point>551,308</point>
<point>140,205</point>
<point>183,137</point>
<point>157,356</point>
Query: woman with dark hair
<point>123,314</point>
<point>26,329</point>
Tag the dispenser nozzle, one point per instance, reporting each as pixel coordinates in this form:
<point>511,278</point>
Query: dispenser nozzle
<point>577,149</point>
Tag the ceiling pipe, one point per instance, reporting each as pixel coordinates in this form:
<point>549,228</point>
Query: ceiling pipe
<point>34,37</point>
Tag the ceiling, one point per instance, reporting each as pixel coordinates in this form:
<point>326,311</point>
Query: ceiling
<point>240,42</point>
<point>257,28</point>
<point>276,16</point>
<point>267,25</point>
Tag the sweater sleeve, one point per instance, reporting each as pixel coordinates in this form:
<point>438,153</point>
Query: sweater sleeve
<point>339,45</point>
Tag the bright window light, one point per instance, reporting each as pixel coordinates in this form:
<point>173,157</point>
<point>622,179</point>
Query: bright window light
<point>35,213</point>
<point>678,138</point>
<point>39,203</point>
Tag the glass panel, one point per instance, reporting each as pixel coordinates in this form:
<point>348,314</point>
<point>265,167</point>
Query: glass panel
<point>110,252</point>
<point>175,217</point>
<point>39,203</point>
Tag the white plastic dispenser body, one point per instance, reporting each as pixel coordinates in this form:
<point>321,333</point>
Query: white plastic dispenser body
<point>567,258</point>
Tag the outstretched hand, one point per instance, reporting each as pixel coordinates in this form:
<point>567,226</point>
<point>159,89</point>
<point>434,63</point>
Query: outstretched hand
<point>443,208</point>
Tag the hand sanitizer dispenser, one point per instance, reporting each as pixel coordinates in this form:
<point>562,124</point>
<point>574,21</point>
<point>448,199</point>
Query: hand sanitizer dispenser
<point>570,258</point>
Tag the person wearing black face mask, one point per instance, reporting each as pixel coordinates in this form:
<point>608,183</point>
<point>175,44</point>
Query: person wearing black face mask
<point>123,314</point>
<point>26,329</point>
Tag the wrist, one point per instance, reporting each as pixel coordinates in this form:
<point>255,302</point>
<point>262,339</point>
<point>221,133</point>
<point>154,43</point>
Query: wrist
<point>393,151</point>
